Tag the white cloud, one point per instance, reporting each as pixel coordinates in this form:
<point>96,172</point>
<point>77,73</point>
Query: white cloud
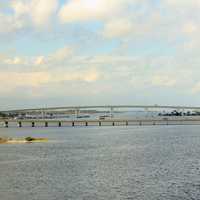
<point>20,7</point>
<point>9,24</point>
<point>27,13</point>
<point>61,54</point>
<point>111,74</point>
<point>42,11</point>
<point>39,60</point>
<point>163,81</point>
<point>87,75</point>
<point>89,10</point>
<point>171,29</point>
<point>15,80</point>
<point>83,10</point>
<point>54,58</point>
<point>190,27</point>
<point>118,28</point>
<point>183,3</point>
<point>15,61</point>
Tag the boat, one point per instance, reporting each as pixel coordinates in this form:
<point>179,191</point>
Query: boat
<point>83,116</point>
<point>102,117</point>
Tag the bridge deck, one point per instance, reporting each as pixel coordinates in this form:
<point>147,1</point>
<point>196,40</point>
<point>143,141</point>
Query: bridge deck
<point>101,107</point>
<point>109,122</point>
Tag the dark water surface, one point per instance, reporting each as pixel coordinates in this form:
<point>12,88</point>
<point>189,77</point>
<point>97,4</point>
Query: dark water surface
<point>102,163</point>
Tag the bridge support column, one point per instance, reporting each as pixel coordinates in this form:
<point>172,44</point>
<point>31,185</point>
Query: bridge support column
<point>43,114</point>
<point>6,124</point>
<point>33,124</point>
<point>20,124</point>
<point>77,112</point>
<point>111,112</point>
<point>46,124</point>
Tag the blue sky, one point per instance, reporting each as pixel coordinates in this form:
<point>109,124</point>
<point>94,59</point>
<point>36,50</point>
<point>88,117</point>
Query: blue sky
<point>81,52</point>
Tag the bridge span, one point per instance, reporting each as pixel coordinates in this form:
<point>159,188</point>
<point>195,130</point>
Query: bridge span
<point>108,122</point>
<point>111,107</point>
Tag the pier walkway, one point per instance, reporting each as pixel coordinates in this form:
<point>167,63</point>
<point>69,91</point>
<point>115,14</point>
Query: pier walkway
<point>108,122</point>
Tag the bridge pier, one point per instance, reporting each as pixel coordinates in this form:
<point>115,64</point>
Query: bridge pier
<point>46,124</point>
<point>6,124</point>
<point>43,114</point>
<point>111,112</point>
<point>20,124</point>
<point>77,112</point>
<point>33,124</point>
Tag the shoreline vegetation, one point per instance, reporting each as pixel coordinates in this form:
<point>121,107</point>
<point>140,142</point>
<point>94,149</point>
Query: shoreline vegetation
<point>4,140</point>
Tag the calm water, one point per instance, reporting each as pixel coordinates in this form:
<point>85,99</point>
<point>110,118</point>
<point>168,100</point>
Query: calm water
<point>97,163</point>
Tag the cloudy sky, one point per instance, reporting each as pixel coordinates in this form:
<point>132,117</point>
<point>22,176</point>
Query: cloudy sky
<point>89,52</point>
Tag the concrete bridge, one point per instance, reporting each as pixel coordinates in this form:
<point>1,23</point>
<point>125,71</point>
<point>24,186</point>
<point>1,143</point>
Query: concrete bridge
<point>110,107</point>
<point>111,121</point>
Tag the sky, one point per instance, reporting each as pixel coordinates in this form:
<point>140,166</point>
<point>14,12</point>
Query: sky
<point>99,52</point>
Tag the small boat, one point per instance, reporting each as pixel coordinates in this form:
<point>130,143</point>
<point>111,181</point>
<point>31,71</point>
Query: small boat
<point>102,117</point>
<point>83,116</point>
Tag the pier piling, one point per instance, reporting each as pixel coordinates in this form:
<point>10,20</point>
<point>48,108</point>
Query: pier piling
<point>46,124</point>
<point>20,124</point>
<point>33,124</point>
<point>6,124</point>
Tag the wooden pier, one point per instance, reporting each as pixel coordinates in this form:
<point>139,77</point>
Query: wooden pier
<point>110,122</point>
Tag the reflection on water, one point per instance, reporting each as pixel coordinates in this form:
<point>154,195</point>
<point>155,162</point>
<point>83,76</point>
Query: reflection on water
<point>141,163</point>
